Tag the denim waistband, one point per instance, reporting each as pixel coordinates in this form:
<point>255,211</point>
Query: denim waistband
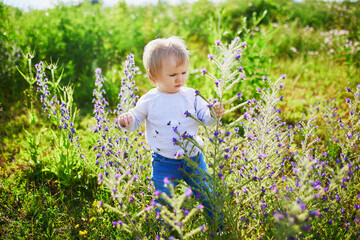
<point>162,158</point>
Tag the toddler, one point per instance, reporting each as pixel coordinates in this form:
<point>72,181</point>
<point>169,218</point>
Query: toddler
<point>164,110</point>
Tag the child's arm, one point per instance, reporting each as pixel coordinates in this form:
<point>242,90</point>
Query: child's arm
<point>133,119</point>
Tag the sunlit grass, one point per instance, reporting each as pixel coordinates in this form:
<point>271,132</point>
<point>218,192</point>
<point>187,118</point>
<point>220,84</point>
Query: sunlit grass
<point>35,203</point>
<point>313,79</point>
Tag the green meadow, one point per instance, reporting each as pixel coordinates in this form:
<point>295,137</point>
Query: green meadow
<point>49,185</point>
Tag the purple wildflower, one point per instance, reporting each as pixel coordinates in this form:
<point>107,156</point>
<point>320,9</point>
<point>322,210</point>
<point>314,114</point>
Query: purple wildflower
<point>178,154</point>
<point>307,228</point>
<point>166,181</point>
<point>315,212</point>
<point>203,228</point>
<point>200,206</point>
<point>188,192</point>
<point>278,216</point>
<point>98,70</point>
<point>302,206</point>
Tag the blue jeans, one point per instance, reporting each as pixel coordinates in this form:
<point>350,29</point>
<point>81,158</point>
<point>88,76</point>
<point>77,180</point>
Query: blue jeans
<point>176,170</point>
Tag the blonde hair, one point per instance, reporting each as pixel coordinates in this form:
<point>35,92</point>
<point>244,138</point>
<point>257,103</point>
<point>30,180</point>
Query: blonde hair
<point>158,50</point>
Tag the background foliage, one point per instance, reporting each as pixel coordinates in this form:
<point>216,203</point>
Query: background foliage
<point>315,43</point>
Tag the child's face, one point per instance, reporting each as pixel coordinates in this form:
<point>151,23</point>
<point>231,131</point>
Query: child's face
<point>171,77</point>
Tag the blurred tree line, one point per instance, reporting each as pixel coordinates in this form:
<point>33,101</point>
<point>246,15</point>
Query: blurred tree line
<point>86,36</point>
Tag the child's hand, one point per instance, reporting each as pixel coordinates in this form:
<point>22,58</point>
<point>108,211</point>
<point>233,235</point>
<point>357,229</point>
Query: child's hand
<point>125,119</point>
<point>218,109</point>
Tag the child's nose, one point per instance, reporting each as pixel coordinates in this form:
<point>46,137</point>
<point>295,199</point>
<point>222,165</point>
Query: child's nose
<point>179,79</point>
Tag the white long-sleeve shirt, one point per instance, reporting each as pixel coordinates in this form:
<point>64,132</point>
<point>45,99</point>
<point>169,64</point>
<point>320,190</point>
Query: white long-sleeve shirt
<point>164,112</point>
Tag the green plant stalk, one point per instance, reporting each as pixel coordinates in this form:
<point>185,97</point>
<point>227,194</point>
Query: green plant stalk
<point>31,83</point>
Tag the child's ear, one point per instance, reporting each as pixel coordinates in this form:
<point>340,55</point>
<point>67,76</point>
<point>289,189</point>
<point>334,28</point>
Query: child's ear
<point>152,82</point>
<point>151,78</point>
<point>148,73</point>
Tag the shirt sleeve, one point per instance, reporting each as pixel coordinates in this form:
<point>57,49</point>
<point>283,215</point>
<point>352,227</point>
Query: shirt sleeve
<point>203,112</point>
<point>138,113</point>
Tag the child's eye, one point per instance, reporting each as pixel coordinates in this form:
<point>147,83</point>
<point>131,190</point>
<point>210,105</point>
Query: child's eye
<point>184,73</point>
<point>172,75</point>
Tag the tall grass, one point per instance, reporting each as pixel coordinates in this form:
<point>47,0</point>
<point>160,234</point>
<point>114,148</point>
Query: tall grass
<point>106,35</point>
<point>261,170</point>
<point>283,161</point>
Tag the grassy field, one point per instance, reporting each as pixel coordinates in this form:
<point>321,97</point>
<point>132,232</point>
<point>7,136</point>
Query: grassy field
<point>290,171</point>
